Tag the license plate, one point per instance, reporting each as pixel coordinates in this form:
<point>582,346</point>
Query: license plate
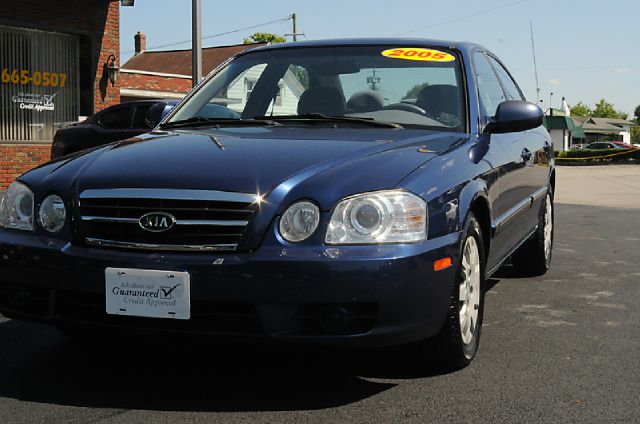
<point>148,293</point>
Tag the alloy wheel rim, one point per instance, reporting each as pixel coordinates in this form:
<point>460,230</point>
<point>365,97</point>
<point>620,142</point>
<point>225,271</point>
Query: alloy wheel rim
<point>469,291</point>
<point>548,228</point>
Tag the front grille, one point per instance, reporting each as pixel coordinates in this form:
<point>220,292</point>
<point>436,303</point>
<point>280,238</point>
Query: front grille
<point>204,220</point>
<point>210,317</point>
<point>222,318</point>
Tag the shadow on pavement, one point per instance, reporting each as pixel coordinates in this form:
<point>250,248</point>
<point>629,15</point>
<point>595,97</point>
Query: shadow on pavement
<point>40,365</point>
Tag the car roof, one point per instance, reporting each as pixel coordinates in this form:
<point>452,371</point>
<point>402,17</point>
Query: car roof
<point>134,102</point>
<point>459,45</point>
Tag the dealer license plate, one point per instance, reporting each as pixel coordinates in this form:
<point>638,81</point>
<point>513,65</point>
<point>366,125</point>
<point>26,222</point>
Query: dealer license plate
<point>148,293</point>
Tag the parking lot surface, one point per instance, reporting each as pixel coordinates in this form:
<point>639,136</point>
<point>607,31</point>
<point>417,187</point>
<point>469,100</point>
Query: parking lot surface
<point>563,347</point>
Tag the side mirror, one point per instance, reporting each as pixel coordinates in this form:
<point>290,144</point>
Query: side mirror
<point>514,116</point>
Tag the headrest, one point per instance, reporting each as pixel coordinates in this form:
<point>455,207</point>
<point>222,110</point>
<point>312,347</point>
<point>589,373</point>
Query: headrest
<point>325,100</point>
<point>365,101</point>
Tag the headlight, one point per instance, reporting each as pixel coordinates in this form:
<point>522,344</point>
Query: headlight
<point>52,214</point>
<point>299,221</point>
<point>392,216</point>
<point>16,208</point>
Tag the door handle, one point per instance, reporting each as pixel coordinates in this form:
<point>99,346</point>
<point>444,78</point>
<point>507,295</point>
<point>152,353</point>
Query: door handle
<point>525,155</point>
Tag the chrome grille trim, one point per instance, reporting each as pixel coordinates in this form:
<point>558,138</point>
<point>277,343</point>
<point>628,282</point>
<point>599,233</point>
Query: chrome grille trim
<point>109,219</point>
<point>170,247</point>
<point>213,223</point>
<point>172,194</point>
<point>205,220</point>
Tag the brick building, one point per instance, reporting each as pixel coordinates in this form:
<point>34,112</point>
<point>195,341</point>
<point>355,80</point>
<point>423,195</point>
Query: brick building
<point>167,74</point>
<point>53,60</point>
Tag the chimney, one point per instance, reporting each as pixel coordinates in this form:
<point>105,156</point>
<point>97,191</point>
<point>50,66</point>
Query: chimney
<point>140,42</point>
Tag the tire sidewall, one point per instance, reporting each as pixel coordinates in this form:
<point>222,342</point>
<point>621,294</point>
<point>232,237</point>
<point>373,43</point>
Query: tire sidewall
<point>471,228</point>
<point>549,196</point>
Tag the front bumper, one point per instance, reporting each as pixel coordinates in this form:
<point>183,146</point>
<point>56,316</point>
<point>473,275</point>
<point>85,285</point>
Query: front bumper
<point>391,292</point>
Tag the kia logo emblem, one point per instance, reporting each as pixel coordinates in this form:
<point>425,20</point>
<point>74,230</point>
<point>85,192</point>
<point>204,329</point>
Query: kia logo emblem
<point>157,222</point>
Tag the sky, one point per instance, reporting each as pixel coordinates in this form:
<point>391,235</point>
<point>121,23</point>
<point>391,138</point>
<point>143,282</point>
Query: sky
<point>585,49</point>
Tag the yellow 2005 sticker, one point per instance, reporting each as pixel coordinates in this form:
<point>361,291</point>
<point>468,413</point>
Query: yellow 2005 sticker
<point>416,53</point>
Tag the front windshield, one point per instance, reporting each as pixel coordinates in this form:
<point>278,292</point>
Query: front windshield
<point>413,87</point>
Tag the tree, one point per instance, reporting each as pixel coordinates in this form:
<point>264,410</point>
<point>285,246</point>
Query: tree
<point>580,109</point>
<point>636,113</point>
<point>635,134</point>
<point>605,109</point>
<point>413,91</point>
<point>264,37</point>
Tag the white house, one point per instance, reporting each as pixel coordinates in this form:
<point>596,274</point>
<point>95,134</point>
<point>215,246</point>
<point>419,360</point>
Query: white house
<point>285,102</point>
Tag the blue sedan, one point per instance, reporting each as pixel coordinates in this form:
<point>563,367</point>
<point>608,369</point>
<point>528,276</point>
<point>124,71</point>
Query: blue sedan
<point>347,192</point>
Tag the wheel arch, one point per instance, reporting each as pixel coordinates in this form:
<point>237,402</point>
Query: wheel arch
<point>474,198</point>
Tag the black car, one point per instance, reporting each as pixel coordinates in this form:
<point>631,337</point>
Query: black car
<point>287,200</point>
<point>111,124</point>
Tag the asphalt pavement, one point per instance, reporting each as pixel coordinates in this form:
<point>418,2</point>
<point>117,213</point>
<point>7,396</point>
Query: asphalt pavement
<point>561,348</point>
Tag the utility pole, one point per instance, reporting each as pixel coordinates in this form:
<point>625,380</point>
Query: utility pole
<point>374,80</point>
<point>196,43</point>
<point>295,32</point>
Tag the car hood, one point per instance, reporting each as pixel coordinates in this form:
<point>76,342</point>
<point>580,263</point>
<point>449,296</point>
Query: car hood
<point>282,165</point>
<point>253,160</point>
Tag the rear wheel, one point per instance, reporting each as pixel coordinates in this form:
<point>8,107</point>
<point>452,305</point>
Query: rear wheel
<point>533,258</point>
<point>457,342</point>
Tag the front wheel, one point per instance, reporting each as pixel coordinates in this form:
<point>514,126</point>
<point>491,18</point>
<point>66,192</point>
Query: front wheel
<point>456,344</point>
<point>533,258</point>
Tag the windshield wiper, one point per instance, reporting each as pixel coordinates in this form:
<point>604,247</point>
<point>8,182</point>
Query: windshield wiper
<point>199,121</point>
<point>319,117</point>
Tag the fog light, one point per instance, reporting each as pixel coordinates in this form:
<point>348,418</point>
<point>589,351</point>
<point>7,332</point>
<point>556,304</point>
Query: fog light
<point>335,318</point>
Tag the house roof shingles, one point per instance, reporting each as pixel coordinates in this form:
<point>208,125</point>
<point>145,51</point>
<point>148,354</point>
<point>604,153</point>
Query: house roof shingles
<point>604,125</point>
<point>179,61</point>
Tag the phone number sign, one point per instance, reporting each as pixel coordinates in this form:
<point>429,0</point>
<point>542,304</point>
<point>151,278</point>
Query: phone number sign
<point>37,78</point>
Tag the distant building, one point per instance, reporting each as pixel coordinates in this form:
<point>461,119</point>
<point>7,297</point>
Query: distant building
<point>564,131</point>
<point>167,75</point>
<point>605,129</point>
<point>567,131</point>
<point>53,59</point>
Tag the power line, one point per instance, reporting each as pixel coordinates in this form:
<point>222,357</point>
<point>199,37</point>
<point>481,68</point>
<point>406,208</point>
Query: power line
<point>460,18</point>
<point>177,43</point>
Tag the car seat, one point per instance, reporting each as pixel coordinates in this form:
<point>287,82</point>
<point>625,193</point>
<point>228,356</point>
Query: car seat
<point>324,100</point>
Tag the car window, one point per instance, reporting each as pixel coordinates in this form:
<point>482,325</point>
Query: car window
<point>410,86</point>
<point>119,118</point>
<point>513,92</point>
<point>489,89</point>
<point>141,116</point>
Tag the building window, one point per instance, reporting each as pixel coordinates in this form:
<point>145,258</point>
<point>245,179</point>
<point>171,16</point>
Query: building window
<point>248,88</point>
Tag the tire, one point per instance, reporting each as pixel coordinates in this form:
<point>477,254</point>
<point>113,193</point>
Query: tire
<point>456,344</point>
<point>533,258</point>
